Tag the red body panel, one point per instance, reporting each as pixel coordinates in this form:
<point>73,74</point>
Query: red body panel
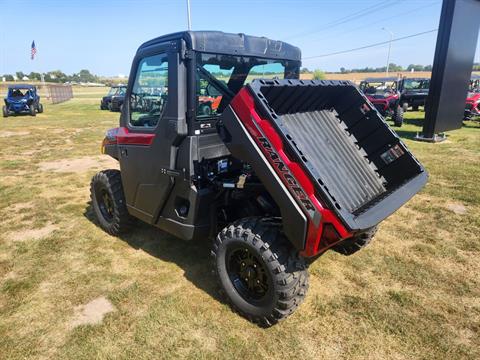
<point>473,102</point>
<point>122,136</point>
<point>298,183</point>
<point>384,101</point>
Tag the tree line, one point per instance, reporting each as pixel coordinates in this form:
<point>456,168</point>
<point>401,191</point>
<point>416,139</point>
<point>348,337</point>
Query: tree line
<point>56,76</point>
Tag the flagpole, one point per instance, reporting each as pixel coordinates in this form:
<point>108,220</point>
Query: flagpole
<point>189,17</point>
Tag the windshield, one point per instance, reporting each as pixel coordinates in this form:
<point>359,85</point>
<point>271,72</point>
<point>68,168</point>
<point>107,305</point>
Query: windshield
<point>416,84</point>
<point>380,87</point>
<point>220,77</point>
<point>18,93</point>
<point>117,91</point>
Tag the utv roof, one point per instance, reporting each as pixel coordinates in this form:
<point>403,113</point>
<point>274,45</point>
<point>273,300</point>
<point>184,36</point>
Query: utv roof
<point>416,78</point>
<point>231,44</point>
<point>21,86</point>
<point>380,79</point>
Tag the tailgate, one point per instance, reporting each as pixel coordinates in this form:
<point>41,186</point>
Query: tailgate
<point>329,133</point>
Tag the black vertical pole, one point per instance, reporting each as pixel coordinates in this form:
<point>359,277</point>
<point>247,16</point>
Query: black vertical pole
<point>452,67</point>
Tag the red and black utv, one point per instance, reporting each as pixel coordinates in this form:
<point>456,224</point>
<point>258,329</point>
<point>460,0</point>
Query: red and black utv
<point>472,105</point>
<point>383,93</point>
<point>281,171</point>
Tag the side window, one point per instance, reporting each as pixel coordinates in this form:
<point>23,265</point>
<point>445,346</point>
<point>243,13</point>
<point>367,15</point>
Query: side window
<point>149,95</point>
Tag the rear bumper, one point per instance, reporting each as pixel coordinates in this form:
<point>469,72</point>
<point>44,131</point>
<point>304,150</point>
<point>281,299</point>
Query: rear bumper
<point>18,108</point>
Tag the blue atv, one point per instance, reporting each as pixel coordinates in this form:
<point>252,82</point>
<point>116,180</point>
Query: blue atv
<point>21,99</point>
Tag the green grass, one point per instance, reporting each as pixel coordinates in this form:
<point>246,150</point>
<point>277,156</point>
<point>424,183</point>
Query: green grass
<point>413,293</point>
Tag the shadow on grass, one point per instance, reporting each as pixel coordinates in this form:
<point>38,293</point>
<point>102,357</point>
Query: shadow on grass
<point>192,256</point>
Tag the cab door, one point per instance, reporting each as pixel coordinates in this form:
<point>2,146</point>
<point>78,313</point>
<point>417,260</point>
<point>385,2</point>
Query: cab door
<point>147,138</point>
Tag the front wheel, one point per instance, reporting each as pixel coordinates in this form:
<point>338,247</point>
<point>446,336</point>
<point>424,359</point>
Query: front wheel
<point>398,116</point>
<point>260,273</point>
<point>31,110</point>
<point>40,108</point>
<point>108,201</point>
<point>5,111</point>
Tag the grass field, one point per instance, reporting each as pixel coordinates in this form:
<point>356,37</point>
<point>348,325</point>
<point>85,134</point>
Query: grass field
<point>69,290</point>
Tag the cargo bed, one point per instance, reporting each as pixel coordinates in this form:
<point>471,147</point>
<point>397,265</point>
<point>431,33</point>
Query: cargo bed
<point>328,131</point>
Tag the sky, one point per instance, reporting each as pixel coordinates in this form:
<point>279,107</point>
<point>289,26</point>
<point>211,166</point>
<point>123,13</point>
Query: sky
<point>102,36</point>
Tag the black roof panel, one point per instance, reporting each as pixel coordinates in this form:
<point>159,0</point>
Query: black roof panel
<point>21,86</point>
<point>232,44</point>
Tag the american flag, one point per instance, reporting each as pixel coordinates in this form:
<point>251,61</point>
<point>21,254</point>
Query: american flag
<point>34,50</point>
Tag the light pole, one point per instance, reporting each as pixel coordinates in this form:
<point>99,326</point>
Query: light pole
<point>188,14</point>
<point>389,48</point>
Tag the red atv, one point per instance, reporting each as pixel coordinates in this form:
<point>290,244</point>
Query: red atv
<point>384,95</point>
<point>472,106</point>
<point>282,171</point>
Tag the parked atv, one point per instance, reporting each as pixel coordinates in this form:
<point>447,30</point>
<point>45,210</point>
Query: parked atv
<point>413,92</point>
<point>384,95</point>
<point>472,106</point>
<point>282,171</point>
<point>115,91</point>
<point>22,99</point>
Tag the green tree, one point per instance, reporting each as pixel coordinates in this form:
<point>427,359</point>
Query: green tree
<point>19,75</point>
<point>35,76</point>
<point>86,76</point>
<point>56,76</point>
<point>8,77</point>
<point>318,74</point>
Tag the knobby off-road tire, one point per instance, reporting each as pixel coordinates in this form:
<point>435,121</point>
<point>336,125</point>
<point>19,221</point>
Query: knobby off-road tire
<point>398,116</point>
<point>40,108</point>
<point>352,245</point>
<point>256,247</point>
<point>5,111</point>
<point>31,110</point>
<point>108,201</point>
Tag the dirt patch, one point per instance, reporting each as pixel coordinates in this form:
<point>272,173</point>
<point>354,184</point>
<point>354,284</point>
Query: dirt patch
<point>92,313</point>
<point>33,234</point>
<point>457,208</point>
<point>12,133</point>
<point>79,165</point>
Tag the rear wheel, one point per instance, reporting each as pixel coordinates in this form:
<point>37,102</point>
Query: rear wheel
<point>352,245</point>
<point>5,111</point>
<point>108,201</point>
<point>398,116</point>
<point>261,275</point>
<point>415,107</point>
<point>31,110</point>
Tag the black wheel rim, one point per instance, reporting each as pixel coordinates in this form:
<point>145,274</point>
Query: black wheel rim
<point>248,274</point>
<point>105,203</point>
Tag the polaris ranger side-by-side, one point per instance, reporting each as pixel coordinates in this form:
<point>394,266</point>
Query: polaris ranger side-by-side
<point>115,91</point>
<point>277,173</point>
<point>384,95</point>
<point>413,92</point>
